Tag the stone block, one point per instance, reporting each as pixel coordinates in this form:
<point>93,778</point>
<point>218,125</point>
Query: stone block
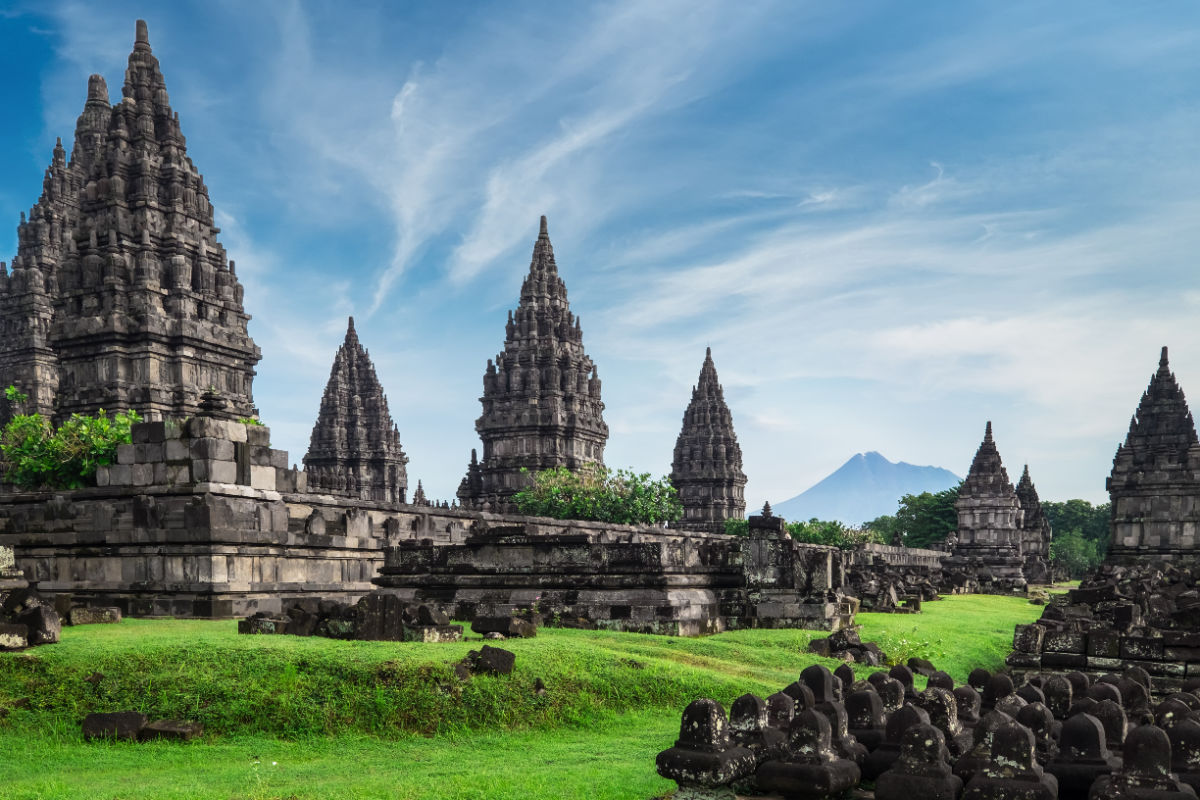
<point>175,729</point>
<point>1104,644</point>
<point>1099,664</point>
<point>94,616</point>
<point>176,450</point>
<point>207,427</point>
<point>433,633</point>
<point>512,627</point>
<point>42,624</point>
<point>1065,642</point>
<point>141,474</point>
<point>149,452</point>
<point>1028,638</point>
<point>117,725</point>
<point>103,476</point>
<point>1142,648</point>
<point>236,431</point>
<point>120,475</point>
<point>267,625</point>
<point>262,478</point>
<point>13,637</point>
<point>126,454</point>
<point>1181,653</point>
<point>1064,660</point>
<point>495,661</point>
<point>258,435</point>
<point>204,471</point>
<point>211,449</point>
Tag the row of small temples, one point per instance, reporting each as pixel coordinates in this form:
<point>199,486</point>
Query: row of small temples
<point>121,296</point>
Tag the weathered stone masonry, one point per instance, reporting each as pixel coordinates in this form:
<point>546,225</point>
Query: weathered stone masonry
<point>121,295</point>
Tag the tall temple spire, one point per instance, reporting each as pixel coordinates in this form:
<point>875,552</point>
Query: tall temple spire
<point>1163,420</point>
<point>1154,488</point>
<point>989,534</point>
<point>541,395</point>
<point>355,446</point>
<point>136,305</point>
<point>1036,531</point>
<point>707,466</point>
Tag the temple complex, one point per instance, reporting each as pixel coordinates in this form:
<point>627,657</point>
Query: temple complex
<point>707,467</point>
<point>1035,532</point>
<point>1155,483</point>
<point>355,446</point>
<point>541,396</point>
<point>988,539</point>
<point>120,295</point>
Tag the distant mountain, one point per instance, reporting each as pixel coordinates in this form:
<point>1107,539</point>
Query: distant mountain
<point>865,487</point>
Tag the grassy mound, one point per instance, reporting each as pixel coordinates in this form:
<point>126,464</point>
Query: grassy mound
<point>296,687</point>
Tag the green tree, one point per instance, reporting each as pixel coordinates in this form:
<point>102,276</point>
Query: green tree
<point>1073,554</point>
<point>922,520</point>
<point>597,493</point>
<point>36,456</point>
<point>1091,522</point>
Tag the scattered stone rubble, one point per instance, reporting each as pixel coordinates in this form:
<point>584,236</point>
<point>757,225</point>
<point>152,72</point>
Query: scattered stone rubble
<point>376,617</point>
<point>847,646</point>
<point>1143,615</point>
<point>1140,741</point>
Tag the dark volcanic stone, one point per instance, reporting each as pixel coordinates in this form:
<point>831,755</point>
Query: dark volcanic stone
<point>495,661</point>
<point>177,729</point>
<point>511,627</point>
<point>704,756</point>
<point>13,637</point>
<point>43,624</point>
<point>116,725</point>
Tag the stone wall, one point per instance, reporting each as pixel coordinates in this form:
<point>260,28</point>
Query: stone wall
<point>647,580</point>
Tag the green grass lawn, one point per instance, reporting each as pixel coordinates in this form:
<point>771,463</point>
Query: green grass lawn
<point>315,718</point>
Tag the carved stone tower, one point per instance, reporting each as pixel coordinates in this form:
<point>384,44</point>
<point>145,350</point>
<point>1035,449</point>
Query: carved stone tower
<point>355,447</point>
<point>1035,531</point>
<point>120,294</point>
<point>707,467</point>
<point>541,396</point>
<point>988,539</point>
<point>1155,483</point>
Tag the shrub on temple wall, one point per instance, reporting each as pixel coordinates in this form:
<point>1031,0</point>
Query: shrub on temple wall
<point>36,456</point>
<point>599,494</point>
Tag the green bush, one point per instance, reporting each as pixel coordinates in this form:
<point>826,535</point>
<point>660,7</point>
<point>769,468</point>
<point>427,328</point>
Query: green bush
<point>832,533</point>
<point>737,527</point>
<point>1073,554</point>
<point>38,457</point>
<point>597,493</point>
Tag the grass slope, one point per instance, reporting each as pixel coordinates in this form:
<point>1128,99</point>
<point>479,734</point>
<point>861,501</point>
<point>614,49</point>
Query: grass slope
<point>382,719</point>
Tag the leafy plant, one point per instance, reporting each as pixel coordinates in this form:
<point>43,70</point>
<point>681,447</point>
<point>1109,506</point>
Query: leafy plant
<point>251,421</point>
<point>37,456</point>
<point>737,527</point>
<point>832,533</point>
<point>597,493</point>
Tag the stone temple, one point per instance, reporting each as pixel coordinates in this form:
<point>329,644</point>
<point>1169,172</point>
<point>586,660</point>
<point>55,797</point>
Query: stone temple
<point>1035,532</point>
<point>707,467</point>
<point>541,396</point>
<point>355,446</point>
<point>987,541</point>
<point>1155,483</point>
<point>120,295</point>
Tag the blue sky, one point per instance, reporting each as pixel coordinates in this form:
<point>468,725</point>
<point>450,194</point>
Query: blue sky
<point>891,221</point>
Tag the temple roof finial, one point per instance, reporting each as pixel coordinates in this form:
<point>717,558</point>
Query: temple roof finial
<point>544,230</point>
<point>987,433</point>
<point>350,329</point>
<point>1162,360</point>
<point>142,42</point>
<point>97,88</point>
